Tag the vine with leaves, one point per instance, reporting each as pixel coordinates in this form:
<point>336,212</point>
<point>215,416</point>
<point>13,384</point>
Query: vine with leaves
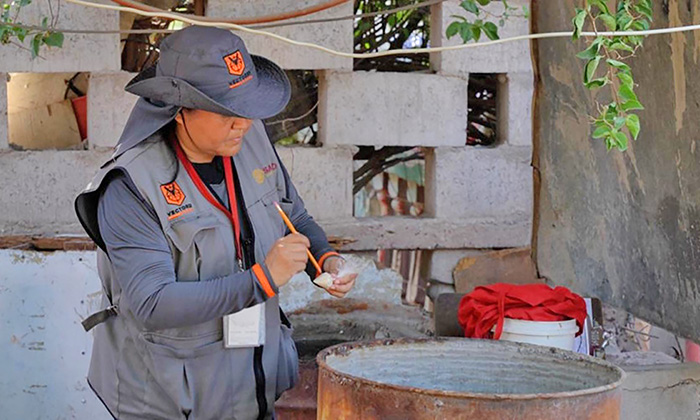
<point>605,56</point>
<point>615,123</point>
<point>12,31</point>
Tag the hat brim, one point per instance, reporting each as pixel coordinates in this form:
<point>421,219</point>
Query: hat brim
<point>268,99</point>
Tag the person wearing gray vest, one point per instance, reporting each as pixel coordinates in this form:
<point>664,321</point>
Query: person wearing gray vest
<point>191,248</point>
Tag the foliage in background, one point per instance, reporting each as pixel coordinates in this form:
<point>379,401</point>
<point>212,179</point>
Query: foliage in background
<point>401,30</point>
<point>470,30</point>
<point>605,65</point>
<point>10,33</point>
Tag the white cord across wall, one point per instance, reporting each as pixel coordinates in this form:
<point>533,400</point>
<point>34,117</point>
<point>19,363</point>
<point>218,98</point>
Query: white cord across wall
<point>381,53</point>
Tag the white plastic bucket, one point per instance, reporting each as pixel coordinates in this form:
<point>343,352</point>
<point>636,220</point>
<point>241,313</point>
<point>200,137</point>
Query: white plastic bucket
<point>559,334</point>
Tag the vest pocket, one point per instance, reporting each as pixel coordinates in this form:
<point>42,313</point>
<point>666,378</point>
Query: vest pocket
<point>195,240</point>
<point>287,362</point>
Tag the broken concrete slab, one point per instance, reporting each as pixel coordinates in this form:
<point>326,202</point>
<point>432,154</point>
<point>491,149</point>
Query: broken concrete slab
<point>507,266</point>
<point>377,109</point>
<point>659,391</point>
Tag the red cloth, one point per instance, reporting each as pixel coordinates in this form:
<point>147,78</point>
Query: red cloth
<point>487,306</point>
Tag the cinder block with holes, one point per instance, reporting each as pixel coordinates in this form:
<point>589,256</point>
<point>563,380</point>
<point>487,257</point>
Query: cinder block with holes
<point>469,183</point>
<point>337,35</point>
<point>3,112</point>
<point>323,177</point>
<point>109,107</point>
<point>392,109</point>
<point>80,52</point>
<point>501,58</point>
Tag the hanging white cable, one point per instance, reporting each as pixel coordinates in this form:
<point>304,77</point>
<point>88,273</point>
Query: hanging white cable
<point>388,52</point>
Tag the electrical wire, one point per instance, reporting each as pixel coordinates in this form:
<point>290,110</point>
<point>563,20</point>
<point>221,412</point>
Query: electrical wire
<point>388,52</point>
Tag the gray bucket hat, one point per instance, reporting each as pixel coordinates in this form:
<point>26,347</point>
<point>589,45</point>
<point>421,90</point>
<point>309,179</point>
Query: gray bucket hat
<point>208,69</point>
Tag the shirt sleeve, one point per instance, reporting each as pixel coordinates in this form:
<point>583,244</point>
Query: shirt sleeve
<point>144,269</point>
<point>307,226</point>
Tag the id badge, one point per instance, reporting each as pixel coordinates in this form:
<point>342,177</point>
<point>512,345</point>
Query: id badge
<point>245,328</point>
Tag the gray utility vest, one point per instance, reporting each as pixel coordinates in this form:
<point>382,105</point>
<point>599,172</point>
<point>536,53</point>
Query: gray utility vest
<point>144,374</point>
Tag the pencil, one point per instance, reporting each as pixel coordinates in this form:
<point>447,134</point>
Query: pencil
<point>293,230</point>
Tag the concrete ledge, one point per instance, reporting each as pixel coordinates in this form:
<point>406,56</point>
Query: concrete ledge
<point>80,52</point>
<point>38,189</point>
<point>502,58</point>
<point>667,391</point>
<point>469,182</point>
<point>391,109</point>
<point>323,178</point>
<point>409,233</point>
<point>109,107</point>
<point>336,35</point>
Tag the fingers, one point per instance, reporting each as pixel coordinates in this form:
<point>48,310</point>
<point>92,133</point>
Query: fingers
<point>341,281</point>
<point>297,238</point>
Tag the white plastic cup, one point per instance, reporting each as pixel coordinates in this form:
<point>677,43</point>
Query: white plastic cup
<point>559,334</point>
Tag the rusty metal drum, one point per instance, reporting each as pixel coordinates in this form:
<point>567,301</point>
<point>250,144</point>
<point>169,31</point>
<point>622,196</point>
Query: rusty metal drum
<point>456,378</point>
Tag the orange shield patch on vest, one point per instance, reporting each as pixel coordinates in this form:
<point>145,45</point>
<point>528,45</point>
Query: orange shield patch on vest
<point>173,193</point>
<point>235,63</point>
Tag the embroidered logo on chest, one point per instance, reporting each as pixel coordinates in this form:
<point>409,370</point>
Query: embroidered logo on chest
<point>173,193</point>
<point>260,174</point>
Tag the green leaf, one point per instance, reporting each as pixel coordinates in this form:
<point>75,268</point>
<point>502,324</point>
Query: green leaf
<point>618,122</point>
<point>462,18</point>
<point>21,33</point>
<point>624,21</point>
<point>54,39</point>
<point>641,25</point>
<point>618,64</point>
<point>23,3</point>
<point>619,45</point>
<point>626,79</point>
<point>644,10</point>
<point>465,31</point>
<point>621,141</point>
<point>36,43</point>
<point>627,94</point>
<point>601,132</point>
<point>600,4</point>
<point>592,51</point>
<point>578,22</point>
<point>491,30</point>
<point>45,22</point>
<point>484,2</point>
<point>633,125</point>
<point>632,105</point>
<point>590,69</point>
<point>476,32</point>
<point>470,6</point>
<point>609,21</point>
<point>597,83</point>
<point>453,29</point>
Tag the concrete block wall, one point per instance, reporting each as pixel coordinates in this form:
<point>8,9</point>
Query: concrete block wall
<point>4,135</point>
<point>80,52</point>
<point>108,107</point>
<point>500,58</point>
<point>476,198</point>
<point>337,35</point>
